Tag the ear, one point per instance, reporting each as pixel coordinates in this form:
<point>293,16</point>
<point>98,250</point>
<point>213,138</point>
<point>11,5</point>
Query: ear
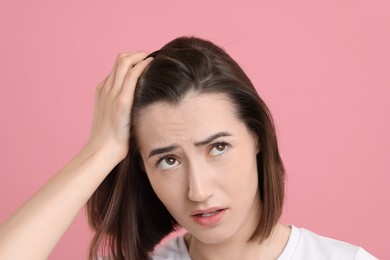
<point>257,141</point>
<point>140,162</point>
<point>258,145</point>
<point>142,165</point>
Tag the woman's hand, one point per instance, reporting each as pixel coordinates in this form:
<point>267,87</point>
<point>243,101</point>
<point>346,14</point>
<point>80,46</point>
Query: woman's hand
<point>50,211</point>
<point>113,102</point>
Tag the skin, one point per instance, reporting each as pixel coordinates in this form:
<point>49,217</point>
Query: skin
<point>219,173</point>
<point>37,226</point>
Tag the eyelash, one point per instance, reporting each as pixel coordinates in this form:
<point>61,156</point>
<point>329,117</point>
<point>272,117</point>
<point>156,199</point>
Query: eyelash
<point>160,159</point>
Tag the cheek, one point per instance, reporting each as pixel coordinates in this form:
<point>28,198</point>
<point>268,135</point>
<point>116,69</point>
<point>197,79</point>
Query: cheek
<point>168,190</point>
<point>243,175</point>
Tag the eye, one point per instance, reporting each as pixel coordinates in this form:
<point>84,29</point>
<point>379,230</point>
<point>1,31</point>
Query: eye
<point>167,163</point>
<point>218,148</point>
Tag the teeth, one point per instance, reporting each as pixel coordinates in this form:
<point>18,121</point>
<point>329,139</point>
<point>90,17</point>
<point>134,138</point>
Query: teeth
<point>210,214</point>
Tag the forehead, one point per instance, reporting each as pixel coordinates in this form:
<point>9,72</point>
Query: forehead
<point>195,118</point>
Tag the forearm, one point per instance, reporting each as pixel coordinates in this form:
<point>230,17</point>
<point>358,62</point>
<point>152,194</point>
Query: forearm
<point>35,228</point>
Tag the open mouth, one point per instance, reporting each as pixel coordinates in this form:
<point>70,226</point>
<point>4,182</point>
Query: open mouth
<point>209,217</point>
<point>209,214</point>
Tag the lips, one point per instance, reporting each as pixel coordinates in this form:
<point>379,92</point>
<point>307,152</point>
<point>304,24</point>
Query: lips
<point>208,217</point>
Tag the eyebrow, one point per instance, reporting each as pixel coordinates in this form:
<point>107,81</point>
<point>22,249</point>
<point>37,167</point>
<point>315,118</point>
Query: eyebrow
<point>173,147</point>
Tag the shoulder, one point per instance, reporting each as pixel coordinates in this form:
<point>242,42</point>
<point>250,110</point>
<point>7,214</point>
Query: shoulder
<point>306,244</point>
<point>175,249</point>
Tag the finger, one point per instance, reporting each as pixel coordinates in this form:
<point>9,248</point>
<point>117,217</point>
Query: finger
<point>125,63</point>
<point>100,87</point>
<point>108,83</point>
<point>132,77</point>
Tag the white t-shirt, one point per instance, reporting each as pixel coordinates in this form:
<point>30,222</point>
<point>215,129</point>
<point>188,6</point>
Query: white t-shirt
<point>302,244</point>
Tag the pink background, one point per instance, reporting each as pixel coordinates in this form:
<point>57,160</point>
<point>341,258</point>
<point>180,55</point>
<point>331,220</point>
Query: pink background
<point>322,66</point>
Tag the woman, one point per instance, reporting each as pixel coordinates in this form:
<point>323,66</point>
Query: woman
<point>180,138</point>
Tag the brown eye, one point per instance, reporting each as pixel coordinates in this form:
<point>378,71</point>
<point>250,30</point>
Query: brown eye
<point>218,149</point>
<point>167,163</point>
<point>170,161</point>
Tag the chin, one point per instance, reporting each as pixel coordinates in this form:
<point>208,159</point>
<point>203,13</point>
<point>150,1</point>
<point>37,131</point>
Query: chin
<point>213,235</point>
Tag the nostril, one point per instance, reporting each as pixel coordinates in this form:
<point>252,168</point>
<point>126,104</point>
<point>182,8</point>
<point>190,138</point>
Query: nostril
<point>199,193</point>
<point>200,186</point>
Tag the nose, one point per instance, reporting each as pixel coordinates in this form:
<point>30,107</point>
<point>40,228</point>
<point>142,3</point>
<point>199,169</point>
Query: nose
<point>200,186</point>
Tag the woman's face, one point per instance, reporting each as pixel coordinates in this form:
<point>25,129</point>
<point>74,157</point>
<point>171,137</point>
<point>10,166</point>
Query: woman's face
<point>201,162</point>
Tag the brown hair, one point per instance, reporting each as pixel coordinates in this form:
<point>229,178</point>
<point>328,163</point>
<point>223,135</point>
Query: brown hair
<point>128,217</point>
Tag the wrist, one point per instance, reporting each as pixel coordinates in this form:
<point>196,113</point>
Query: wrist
<point>111,150</point>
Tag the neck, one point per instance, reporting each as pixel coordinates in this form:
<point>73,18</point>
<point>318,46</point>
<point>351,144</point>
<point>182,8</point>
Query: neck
<point>240,248</point>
